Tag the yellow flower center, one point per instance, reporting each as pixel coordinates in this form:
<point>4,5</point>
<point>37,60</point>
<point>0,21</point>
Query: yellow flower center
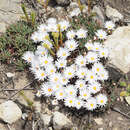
<point>92,58</point>
<point>61,94</point>
<point>61,64</point>
<point>102,75</point>
<point>69,73</point>
<point>71,93</point>
<point>45,61</point>
<point>97,69</point>
<point>97,48</point>
<point>72,35</point>
<point>82,73</point>
<point>64,80</point>
<point>81,35</point>
<point>101,36</point>
<point>91,105</point>
<point>70,101</point>
<point>81,85</point>
<point>89,48</point>
<point>42,74</point>
<point>91,77</point>
<point>85,95</point>
<point>64,27</point>
<point>29,59</point>
<point>101,101</point>
<point>103,53</point>
<point>82,62</point>
<point>64,54</point>
<point>79,103</point>
<point>52,70</point>
<point>71,46</point>
<point>56,79</point>
<point>43,53</point>
<point>94,88</point>
<point>57,86</point>
<point>49,90</point>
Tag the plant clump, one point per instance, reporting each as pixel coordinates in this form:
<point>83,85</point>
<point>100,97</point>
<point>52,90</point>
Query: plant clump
<point>67,72</point>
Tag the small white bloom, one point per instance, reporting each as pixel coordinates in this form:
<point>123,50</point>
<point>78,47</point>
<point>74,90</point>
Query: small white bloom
<point>94,87</point>
<point>101,34</point>
<point>89,46</point>
<point>60,94</point>
<point>47,44</point>
<point>56,86</point>
<point>80,61</point>
<point>71,44</point>
<point>52,28</point>
<point>55,78</point>
<point>39,93</point>
<point>69,101</point>
<point>42,28</point>
<point>46,89</point>
<point>103,52</point>
<point>40,74</point>
<point>91,104</point>
<point>109,25</point>
<point>81,33</point>
<point>51,21</point>
<point>97,68</point>
<point>43,36</point>
<point>103,75</point>
<point>101,99</point>
<point>70,90</point>
<point>81,72</point>
<point>62,53</point>
<point>78,103</point>
<point>96,46</point>
<point>50,69</point>
<point>35,66</point>
<point>28,56</point>
<point>64,80</point>
<point>74,12</point>
<point>70,34</point>
<point>92,57</point>
<point>84,94</point>
<point>64,25</point>
<point>35,37</point>
<point>80,84</point>
<point>61,63</point>
<point>41,51</point>
<point>69,72</point>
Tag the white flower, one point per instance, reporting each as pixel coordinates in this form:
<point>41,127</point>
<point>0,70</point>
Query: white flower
<point>39,93</point>
<point>71,44</point>
<point>69,101</point>
<point>42,28</point>
<point>81,72</point>
<point>78,103</point>
<point>60,94</point>
<point>91,104</point>
<point>103,52</point>
<point>70,34</point>
<point>35,37</point>
<point>35,66</point>
<point>101,99</point>
<point>91,76</point>
<point>80,61</point>
<point>51,21</point>
<point>70,90</point>
<point>96,46</point>
<point>55,78</point>
<point>94,87</point>
<point>84,94</point>
<point>101,34</point>
<point>92,57</point>
<point>81,33</point>
<point>64,25</point>
<point>69,72</point>
<point>64,80</point>
<point>103,75</point>
<point>28,56</point>
<point>47,44</point>
<point>52,28</point>
<point>43,36</point>
<point>45,60</point>
<point>75,12</point>
<point>40,74</point>
<point>109,25</point>
<point>56,86</point>
<point>41,51</point>
<point>63,53</point>
<point>97,68</point>
<point>80,84</point>
<point>46,89</point>
<point>50,69</point>
<point>89,46</point>
<point>61,63</point>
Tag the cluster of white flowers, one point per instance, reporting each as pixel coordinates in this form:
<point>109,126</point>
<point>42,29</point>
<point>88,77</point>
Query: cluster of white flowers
<point>75,84</point>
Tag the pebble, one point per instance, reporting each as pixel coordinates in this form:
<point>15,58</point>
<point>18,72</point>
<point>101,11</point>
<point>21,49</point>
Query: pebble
<point>99,121</point>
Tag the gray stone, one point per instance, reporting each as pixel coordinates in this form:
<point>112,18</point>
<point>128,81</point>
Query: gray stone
<point>10,112</point>
<point>63,2</point>
<point>127,99</point>
<point>113,14</point>
<point>99,15</point>
<point>119,46</point>
<point>99,121</point>
<point>60,121</point>
<point>46,119</point>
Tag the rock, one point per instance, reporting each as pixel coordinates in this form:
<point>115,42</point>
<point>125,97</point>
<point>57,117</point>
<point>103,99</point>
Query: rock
<point>10,112</point>
<point>46,119</point>
<point>100,129</point>
<point>110,124</point>
<point>10,75</point>
<point>127,99</point>
<point>99,15</point>
<point>63,2</point>
<point>2,127</point>
<point>119,46</point>
<point>120,118</point>
<point>60,121</point>
<point>99,121</point>
<point>37,106</point>
<point>113,14</point>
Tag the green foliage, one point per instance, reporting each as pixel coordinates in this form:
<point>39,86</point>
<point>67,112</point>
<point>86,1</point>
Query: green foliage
<point>123,84</point>
<point>15,42</point>
<point>30,19</point>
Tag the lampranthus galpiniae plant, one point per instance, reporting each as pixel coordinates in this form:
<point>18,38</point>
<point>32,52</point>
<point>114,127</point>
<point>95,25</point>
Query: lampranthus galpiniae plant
<point>68,75</point>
